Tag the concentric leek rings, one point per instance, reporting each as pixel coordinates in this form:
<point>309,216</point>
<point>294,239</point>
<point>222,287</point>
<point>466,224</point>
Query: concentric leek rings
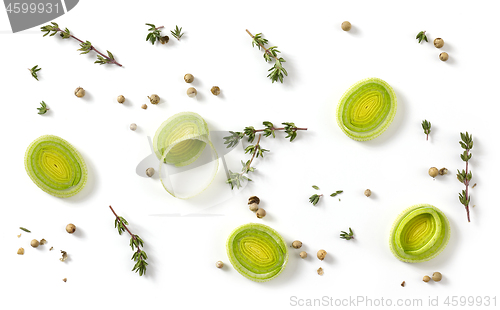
<point>55,166</point>
<point>366,109</point>
<point>419,234</point>
<point>257,252</point>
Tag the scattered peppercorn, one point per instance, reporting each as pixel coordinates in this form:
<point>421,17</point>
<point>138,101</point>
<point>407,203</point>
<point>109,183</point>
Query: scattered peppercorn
<point>144,106</point>
<point>120,99</point>
<point>191,92</point>
<point>154,99</point>
<point>321,254</point>
<point>320,271</point>
<point>426,279</point>
<point>368,193</point>
<point>34,243</point>
<point>433,172</point>
<point>438,42</point>
<point>303,254</point>
<point>254,199</point>
<point>219,264</point>
<point>260,213</point>
<point>253,207</point>
<point>133,127</point>
<point>20,251</point>
<point>79,92</point>
<point>296,244</point>
<point>346,26</point>
<point>215,90</point>
<point>189,78</point>
<point>150,172</point>
<point>437,276</point>
<point>443,171</point>
<point>443,56</point>
<point>70,228</point>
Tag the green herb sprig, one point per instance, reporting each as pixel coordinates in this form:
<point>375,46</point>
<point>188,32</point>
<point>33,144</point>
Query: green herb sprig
<point>177,33</point>
<point>347,236</point>
<point>136,243</point>
<point>277,72</point>
<point>155,34</point>
<point>465,176</point>
<point>427,128</point>
<point>85,47</point>
<point>314,199</point>
<point>34,71</point>
<point>315,187</point>
<point>336,193</point>
<point>43,109</point>
<point>24,229</point>
<point>421,37</point>
<point>236,179</point>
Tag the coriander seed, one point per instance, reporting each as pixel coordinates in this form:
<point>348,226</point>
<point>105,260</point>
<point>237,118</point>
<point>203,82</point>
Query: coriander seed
<point>20,251</point>
<point>437,276</point>
<point>191,92</point>
<point>144,106</point>
<point>303,254</point>
<point>321,254</point>
<point>120,99</point>
<point>438,42</point>
<point>320,271</point>
<point>79,92</point>
<point>346,26</point>
<point>443,171</point>
<point>297,244</point>
<point>215,90</point>
<point>133,127</point>
<point>154,99</point>
<point>260,213</point>
<point>253,207</point>
<point>368,193</point>
<point>34,243</point>
<point>433,172</point>
<point>70,228</point>
<point>426,279</point>
<point>443,56</point>
<point>189,78</point>
<point>150,171</point>
<point>64,280</point>
<point>219,264</point>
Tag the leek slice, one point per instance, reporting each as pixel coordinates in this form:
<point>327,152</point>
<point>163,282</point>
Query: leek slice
<point>55,166</point>
<point>257,252</point>
<point>419,234</point>
<point>366,109</point>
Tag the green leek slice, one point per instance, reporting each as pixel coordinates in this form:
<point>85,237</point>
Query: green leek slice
<point>419,234</point>
<point>257,252</point>
<point>180,145</point>
<point>366,109</point>
<point>55,166</point>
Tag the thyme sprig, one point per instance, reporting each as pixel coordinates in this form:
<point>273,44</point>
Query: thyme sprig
<point>314,199</point>
<point>315,187</point>
<point>43,109</point>
<point>427,128</point>
<point>136,243</point>
<point>421,37</point>
<point>347,236</point>
<point>34,71</point>
<point>336,193</point>
<point>85,47</point>
<point>237,178</point>
<point>177,33</point>
<point>154,33</point>
<point>465,176</point>
<point>277,72</point>
<point>25,229</point>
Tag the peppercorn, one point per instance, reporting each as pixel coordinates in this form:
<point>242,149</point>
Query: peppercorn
<point>437,276</point>
<point>260,213</point>
<point>154,99</point>
<point>426,279</point>
<point>321,254</point>
<point>189,78</point>
<point>443,171</point>
<point>346,26</point>
<point>254,199</point>
<point>438,42</point>
<point>303,254</point>
<point>144,106</point>
<point>34,243</point>
<point>150,171</point>
<point>215,90</point>
<point>433,172</point>
<point>120,99</point>
<point>368,193</point>
<point>133,127</point>
<point>70,228</point>
<point>219,264</point>
<point>191,92</point>
<point>79,92</point>
<point>296,244</point>
<point>164,39</point>
<point>253,207</point>
<point>443,56</point>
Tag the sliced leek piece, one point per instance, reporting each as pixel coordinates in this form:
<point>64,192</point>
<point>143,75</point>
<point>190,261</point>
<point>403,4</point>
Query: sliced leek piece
<point>366,109</point>
<point>55,166</point>
<point>257,252</point>
<point>419,234</point>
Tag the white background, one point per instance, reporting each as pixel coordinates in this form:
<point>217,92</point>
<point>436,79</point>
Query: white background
<point>322,61</point>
